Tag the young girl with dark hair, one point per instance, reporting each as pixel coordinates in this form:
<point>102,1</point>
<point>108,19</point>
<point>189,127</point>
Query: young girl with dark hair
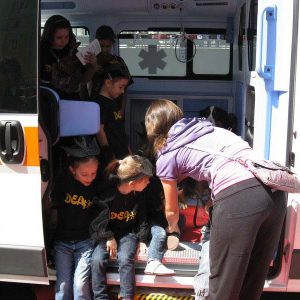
<point>112,137</point>
<point>72,203</point>
<point>58,47</point>
<point>121,228</point>
<point>107,39</point>
<point>247,215</point>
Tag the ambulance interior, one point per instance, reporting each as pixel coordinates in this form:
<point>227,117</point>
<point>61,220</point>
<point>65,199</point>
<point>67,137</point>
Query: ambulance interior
<point>198,53</point>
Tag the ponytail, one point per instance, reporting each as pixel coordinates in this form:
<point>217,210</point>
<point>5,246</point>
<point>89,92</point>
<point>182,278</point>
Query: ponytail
<point>110,172</point>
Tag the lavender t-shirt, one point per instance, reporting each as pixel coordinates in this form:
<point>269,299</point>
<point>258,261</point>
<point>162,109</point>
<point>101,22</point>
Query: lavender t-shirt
<point>201,165</point>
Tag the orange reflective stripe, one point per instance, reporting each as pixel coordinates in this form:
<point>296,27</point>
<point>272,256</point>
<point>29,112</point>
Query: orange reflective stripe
<point>32,146</point>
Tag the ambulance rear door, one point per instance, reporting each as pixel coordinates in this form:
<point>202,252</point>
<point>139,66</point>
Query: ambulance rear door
<point>22,251</point>
<point>274,108</point>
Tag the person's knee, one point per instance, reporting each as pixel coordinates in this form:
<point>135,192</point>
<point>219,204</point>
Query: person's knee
<point>159,233</point>
<point>98,262</point>
<point>125,260</point>
<point>99,258</point>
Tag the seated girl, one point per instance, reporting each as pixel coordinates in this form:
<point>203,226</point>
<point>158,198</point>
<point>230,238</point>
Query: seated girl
<point>121,228</point>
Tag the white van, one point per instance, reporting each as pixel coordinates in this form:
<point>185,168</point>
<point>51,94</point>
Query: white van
<point>237,55</point>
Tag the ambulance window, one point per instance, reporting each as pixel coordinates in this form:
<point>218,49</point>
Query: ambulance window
<point>192,54</point>
<point>251,35</point>
<point>82,35</point>
<point>18,56</point>
<point>152,53</point>
<point>211,54</point>
<point>241,36</point>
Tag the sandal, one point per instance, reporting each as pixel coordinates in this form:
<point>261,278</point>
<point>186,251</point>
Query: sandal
<point>155,267</point>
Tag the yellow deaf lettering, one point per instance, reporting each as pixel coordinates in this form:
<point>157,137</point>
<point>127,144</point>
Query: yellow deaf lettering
<point>74,199</point>
<point>68,198</point>
<point>118,115</point>
<point>78,200</point>
<point>132,215</point>
<point>121,215</point>
<point>113,215</point>
<point>82,201</point>
<point>127,215</point>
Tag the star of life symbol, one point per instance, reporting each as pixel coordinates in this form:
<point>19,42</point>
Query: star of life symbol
<point>152,59</point>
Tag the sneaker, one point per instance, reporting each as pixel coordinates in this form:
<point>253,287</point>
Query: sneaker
<point>155,267</point>
<point>172,240</point>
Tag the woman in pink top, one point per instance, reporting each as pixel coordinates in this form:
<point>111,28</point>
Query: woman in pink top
<point>247,216</point>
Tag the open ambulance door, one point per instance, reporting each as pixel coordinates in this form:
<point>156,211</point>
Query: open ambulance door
<point>272,86</point>
<point>22,250</point>
<point>293,271</point>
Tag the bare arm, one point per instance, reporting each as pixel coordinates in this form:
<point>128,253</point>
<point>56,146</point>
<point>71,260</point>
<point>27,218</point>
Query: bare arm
<point>171,205</point>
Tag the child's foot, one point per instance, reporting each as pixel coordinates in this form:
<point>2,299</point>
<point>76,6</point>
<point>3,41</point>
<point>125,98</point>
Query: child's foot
<point>172,240</point>
<point>155,267</point>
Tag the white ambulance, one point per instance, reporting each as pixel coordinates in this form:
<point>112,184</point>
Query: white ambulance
<point>237,55</point>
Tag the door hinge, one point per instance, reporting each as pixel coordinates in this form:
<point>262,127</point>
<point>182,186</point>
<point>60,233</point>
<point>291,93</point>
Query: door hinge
<point>292,159</point>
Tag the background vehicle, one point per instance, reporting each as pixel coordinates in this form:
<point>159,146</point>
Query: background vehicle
<point>239,55</point>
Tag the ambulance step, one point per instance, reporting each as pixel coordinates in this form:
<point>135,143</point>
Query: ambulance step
<point>144,293</point>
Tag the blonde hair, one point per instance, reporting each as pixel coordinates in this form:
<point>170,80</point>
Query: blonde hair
<point>132,167</point>
<point>161,115</point>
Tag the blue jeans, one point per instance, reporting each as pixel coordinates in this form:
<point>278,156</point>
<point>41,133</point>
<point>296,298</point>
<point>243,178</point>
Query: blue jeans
<point>157,244</point>
<point>201,280</point>
<point>73,261</point>
<point>125,256</point>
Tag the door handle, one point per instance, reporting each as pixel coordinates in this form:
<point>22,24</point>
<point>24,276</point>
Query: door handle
<point>265,71</point>
<point>12,144</point>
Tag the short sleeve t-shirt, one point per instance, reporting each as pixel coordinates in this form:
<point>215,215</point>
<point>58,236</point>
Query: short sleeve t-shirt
<point>114,126</point>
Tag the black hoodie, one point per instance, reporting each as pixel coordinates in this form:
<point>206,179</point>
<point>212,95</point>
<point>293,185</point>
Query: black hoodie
<point>119,215</point>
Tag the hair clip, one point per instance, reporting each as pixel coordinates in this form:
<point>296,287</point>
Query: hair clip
<point>109,76</point>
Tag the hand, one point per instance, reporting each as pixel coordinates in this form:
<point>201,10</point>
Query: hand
<point>182,205</point>
<point>181,199</point>
<point>172,228</point>
<point>111,247</point>
<point>90,59</point>
<point>141,249</point>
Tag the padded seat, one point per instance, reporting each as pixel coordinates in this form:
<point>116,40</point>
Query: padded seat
<point>65,118</point>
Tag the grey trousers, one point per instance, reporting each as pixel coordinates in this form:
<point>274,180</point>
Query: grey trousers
<point>246,225</point>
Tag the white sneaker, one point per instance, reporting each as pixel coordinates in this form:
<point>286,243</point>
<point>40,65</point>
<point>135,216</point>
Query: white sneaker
<point>155,267</point>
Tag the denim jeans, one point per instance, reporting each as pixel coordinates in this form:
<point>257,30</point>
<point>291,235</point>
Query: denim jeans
<point>73,261</point>
<point>201,280</point>
<point>125,255</point>
<point>157,244</point>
